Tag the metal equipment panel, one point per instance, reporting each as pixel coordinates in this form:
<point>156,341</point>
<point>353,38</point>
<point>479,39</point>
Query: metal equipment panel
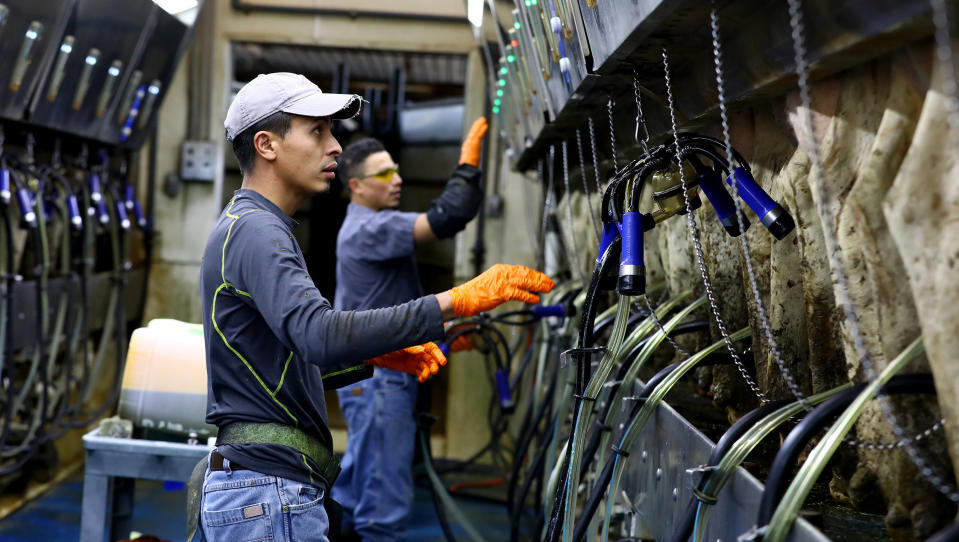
<point>609,24</point>
<point>551,33</point>
<point>148,82</point>
<point>659,485</point>
<point>98,45</point>
<point>23,333</point>
<point>29,40</point>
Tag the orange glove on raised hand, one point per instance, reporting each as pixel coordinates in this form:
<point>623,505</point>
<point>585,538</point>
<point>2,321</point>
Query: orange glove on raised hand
<point>421,361</point>
<point>497,285</point>
<point>470,152</point>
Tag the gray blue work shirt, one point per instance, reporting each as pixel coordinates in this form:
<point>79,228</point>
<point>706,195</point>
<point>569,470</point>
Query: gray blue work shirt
<point>271,335</point>
<point>375,259</point>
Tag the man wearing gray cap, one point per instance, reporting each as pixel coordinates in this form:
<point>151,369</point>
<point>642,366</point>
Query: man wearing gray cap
<point>274,343</point>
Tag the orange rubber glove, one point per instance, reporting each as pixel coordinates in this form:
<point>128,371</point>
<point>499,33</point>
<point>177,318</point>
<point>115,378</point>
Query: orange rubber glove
<point>421,361</point>
<point>470,151</point>
<point>497,285</point>
<point>462,342</point>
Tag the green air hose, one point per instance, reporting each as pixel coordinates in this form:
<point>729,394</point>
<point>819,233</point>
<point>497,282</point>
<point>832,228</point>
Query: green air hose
<point>785,514</point>
<point>727,466</point>
<point>440,491</point>
<point>613,355</point>
<point>40,413</point>
<point>638,421</point>
<point>62,306</point>
<point>598,378</point>
<point>655,340</point>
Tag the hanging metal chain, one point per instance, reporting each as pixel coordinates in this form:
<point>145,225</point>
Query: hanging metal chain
<point>899,443</point>
<point>546,206</point>
<point>750,270</point>
<point>659,326</point>
<point>612,132</point>
<point>589,200</point>
<point>694,231</point>
<point>592,143</point>
<point>574,251</point>
<point>640,119</point>
<point>833,251</point>
<point>641,122</point>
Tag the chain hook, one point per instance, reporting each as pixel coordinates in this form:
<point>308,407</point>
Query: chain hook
<point>640,118</point>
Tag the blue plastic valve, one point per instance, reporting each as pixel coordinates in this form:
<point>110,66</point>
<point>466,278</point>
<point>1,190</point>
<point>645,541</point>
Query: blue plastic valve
<point>122,215</point>
<point>138,214</point>
<point>542,311</point>
<point>96,196</point>
<point>712,186</point>
<point>95,190</point>
<point>502,387</point>
<point>127,129</point>
<point>773,216</point>
<point>610,233</point>
<point>73,211</point>
<point>5,193</point>
<point>25,202</point>
<point>134,206</point>
<point>632,270</point>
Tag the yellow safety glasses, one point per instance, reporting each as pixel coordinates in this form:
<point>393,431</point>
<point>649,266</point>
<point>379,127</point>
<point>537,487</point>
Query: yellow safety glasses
<point>385,175</point>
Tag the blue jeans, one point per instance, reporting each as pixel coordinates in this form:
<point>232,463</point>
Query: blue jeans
<point>375,486</point>
<point>248,506</point>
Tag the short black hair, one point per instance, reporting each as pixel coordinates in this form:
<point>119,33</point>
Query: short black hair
<point>355,154</point>
<point>279,123</point>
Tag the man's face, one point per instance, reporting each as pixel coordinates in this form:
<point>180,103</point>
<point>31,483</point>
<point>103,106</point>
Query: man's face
<point>306,155</point>
<point>378,183</point>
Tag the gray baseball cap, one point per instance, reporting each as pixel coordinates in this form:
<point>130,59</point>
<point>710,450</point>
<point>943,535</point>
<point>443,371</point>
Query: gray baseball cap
<point>287,92</point>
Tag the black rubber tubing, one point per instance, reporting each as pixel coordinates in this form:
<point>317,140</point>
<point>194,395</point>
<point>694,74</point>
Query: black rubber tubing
<point>778,480</point>
<point>598,429</point>
<point>685,528</point>
<point>948,534</point>
<point>599,489</point>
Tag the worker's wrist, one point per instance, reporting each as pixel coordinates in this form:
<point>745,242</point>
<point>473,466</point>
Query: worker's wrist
<point>467,171</point>
<point>446,305</point>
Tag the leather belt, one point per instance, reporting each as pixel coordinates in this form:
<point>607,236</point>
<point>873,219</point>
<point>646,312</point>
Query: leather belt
<point>216,463</point>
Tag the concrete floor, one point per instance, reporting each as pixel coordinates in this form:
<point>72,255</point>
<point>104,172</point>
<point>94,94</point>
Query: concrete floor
<point>159,511</point>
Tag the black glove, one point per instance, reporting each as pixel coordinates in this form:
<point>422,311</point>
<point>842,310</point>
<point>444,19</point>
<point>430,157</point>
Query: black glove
<point>458,204</point>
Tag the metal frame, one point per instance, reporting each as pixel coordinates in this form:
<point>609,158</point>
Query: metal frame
<point>842,34</point>
<point>112,465</point>
<point>659,483</point>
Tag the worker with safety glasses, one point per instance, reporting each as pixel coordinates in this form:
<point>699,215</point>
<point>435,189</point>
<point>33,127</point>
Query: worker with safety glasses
<point>274,343</point>
<point>376,267</point>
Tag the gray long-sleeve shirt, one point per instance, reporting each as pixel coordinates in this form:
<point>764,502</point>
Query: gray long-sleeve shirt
<point>270,333</point>
<point>375,259</point>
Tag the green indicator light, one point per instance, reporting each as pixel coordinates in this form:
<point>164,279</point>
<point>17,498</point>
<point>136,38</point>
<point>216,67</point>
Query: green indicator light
<point>510,58</point>
<point>497,101</point>
<point>516,25</point>
<point>532,2</point>
<point>502,82</point>
<point>528,3</point>
<point>504,70</point>
<point>499,93</point>
<point>495,110</point>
